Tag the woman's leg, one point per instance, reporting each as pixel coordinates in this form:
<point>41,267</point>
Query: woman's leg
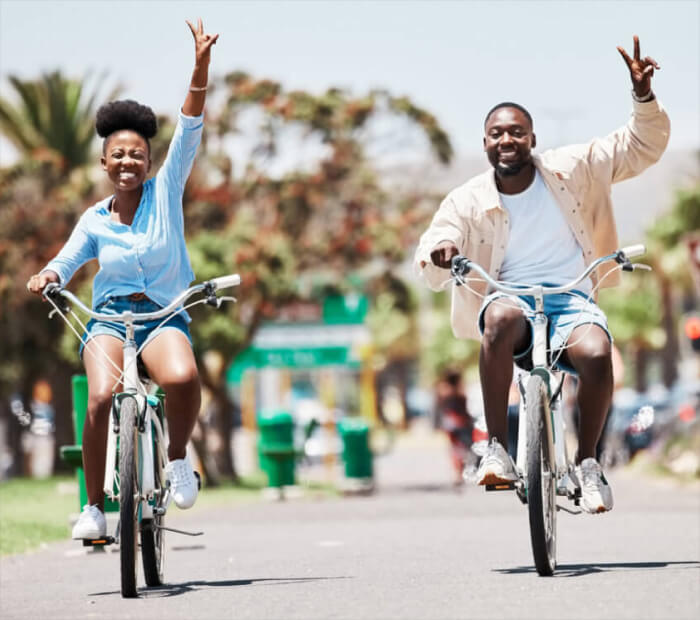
<point>170,362</point>
<point>101,379</point>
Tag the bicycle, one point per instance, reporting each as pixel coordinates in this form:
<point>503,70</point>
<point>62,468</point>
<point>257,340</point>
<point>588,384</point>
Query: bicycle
<point>543,465</point>
<point>136,443</point>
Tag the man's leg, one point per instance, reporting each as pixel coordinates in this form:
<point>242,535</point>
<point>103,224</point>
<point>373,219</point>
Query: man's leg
<point>506,332</point>
<point>591,359</point>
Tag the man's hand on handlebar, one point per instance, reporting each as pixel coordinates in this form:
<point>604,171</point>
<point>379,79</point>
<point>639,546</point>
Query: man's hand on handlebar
<point>37,283</point>
<point>442,254</point>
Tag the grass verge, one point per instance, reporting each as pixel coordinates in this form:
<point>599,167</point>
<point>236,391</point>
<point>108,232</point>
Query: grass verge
<point>34,512</point>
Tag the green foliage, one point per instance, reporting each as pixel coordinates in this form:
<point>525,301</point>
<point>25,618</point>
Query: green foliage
<point>444,350</point>
<point>54,117</point>
<point>633,310</point>
<point>684,217</point>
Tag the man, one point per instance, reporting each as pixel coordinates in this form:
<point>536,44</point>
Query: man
<point>540,219</point>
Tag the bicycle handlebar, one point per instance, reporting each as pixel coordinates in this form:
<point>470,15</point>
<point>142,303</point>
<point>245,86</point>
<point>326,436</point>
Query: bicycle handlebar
<point>461,266</point>
<point>53,290</point>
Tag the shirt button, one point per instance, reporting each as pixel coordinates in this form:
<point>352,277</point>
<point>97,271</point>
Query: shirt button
<point>562,189</point>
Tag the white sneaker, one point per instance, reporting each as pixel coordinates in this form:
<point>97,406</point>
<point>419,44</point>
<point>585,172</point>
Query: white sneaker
<point>596,494</point>
<point>183,484</point>
<point>91,524</point>
<point>496,466</point>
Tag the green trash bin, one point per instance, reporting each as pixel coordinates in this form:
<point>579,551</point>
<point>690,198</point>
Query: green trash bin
<point>73,455</point>
<point>276,447</point>
<point>357,455</point>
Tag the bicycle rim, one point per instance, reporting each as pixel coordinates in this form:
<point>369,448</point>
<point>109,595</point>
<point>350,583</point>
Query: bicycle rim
<point>541,481</point>
<point>128,495</point>
<point>152,534</point>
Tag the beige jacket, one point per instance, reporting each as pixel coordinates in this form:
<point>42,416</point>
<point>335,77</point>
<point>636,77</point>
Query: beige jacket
<point>580,179</point>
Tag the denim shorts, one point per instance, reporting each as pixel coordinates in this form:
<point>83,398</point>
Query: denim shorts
<point>564,311</point>
<point>142,331</point>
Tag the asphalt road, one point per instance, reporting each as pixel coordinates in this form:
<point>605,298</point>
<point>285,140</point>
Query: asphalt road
<point>415,549</point>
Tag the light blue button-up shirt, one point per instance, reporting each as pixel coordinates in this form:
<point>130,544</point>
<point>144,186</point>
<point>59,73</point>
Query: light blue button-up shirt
<point>150,255</point>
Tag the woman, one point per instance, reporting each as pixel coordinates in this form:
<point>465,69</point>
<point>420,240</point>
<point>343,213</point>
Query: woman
<point>137,236</point>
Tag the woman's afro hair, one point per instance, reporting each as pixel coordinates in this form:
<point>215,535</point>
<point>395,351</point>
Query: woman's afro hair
<point>126,114</point>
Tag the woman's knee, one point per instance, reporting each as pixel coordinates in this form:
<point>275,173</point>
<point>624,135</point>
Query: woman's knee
<point>99,402</point>
<point>182,377</point>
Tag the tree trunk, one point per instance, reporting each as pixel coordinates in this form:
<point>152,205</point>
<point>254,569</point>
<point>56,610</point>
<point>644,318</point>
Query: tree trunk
<point>222,423</point>
<point>63,418</point>
<point>641,357</point>
<point>669,354</point>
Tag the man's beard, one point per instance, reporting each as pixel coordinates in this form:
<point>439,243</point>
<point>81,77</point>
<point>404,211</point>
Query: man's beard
<point>509,170</point>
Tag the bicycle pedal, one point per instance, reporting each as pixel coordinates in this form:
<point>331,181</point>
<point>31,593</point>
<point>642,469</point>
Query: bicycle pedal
<point>98,542</point>
<point>505,486</point>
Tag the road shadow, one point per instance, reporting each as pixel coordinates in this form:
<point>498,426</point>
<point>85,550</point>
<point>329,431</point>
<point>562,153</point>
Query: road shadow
<point>176,589</point>
<point>579,570</point>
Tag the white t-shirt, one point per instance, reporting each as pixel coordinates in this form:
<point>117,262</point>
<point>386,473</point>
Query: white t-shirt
<point>541,247</point>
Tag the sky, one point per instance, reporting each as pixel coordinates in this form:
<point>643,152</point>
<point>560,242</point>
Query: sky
<point>456,59</point>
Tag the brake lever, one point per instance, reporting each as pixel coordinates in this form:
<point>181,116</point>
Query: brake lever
<point>51,292</point>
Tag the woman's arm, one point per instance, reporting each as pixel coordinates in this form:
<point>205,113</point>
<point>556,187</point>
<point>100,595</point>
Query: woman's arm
<point>78,250</point>
<point>194,102</point>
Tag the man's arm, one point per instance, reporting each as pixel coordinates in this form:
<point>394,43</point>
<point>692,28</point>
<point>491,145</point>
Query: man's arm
<point>439,244</point>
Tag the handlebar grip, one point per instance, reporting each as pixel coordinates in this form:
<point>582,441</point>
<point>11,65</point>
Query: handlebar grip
<point>460,265</point>
<point>50,289</point>
<point>226,281</point>
<point>634,250</point>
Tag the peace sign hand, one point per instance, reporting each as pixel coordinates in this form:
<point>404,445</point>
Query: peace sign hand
<point>202,42</point>
<point>641,70</point>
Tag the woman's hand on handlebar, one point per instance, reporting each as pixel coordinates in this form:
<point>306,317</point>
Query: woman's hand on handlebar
<point>37,283</point>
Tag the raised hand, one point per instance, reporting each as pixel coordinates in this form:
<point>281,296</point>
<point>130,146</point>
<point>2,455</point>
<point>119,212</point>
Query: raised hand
<point>202,42</point>
<point>641,69</point>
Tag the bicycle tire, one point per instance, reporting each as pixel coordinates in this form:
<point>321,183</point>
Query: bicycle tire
<point>541,481</point>
<point>128,490</point>
<point>152,534</point>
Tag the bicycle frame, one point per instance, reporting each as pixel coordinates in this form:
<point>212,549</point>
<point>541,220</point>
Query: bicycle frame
<point>555,427</point>
<point>132,386</point>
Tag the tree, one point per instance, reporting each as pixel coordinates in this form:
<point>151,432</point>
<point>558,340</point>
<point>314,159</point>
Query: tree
<point>41,198</point>
<point>321,218</point>
<point>53,118</point>
<point>672,269</point>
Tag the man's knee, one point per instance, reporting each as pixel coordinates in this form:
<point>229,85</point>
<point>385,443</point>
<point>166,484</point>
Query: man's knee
<point>593,356</point>
<point>503,323</point>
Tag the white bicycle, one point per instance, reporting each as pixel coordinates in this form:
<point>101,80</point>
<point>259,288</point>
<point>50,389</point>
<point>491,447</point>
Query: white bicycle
<point>137,441</point>
<point>543,464</point>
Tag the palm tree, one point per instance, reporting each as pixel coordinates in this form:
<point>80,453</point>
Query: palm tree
<point>52,113</point>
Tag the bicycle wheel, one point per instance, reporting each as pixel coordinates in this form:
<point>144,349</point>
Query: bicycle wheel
<point>541,481</point>
<point>128,495</point>
<point>152,534</point>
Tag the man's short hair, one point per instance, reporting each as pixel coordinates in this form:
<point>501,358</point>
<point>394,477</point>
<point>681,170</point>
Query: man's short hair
<point>508,104</point>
